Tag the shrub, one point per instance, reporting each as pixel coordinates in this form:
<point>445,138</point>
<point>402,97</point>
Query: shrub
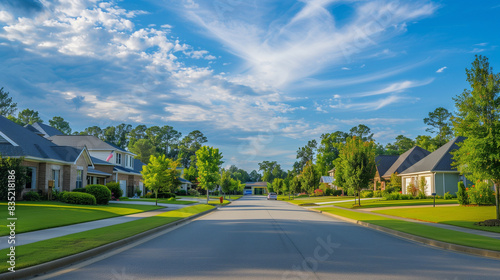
<point>406,196</point>
<point>115,189</point>
<point>162,195</point>
<point>83,190</point>
<point>447,195</point>
<point>462,194</point>
<point>138,191</point>
<point>481,194</point>
<point>79,198</point>
<point>378,193</point>
<point>318,192</point>
<point>193,192</point>
<point>181,192</point>
<point>392,196</point>
<point>337,192</point>
<point>421,195</point>
<point>367,193</point>
<point>31,196</point>
<point>411,189</point>
<point>101,193</point>
<point>60,196</point>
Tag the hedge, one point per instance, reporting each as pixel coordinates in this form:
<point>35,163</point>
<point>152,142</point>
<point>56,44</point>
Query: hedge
<point>102,193</point>
<point>79,198</point>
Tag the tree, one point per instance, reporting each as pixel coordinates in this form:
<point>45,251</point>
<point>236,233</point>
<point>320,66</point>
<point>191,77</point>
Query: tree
<point>28,116</point>
<point>306,153</point>
<point>225,182</point>
<point>137,133</point>
<point>478,119</point>
<point>161,174</point>
<point>361,131</point>
<point>254,176</point>
<point>395,183</point>
<point>426,142</point>
<point>208,161</point>
<point>7,107</point>
<point>189,145</point>
<point>191,174</point>
<point>278,185</point>
<point>401,145</point>
<point>328,150</point>
<point>358,164</point>
<point>11,172</point>
<point>144,149</point>
<point>60,124</point>
<point>295,185</point>
<point>309,178</point>
<point>271,170</point>
<point>94,131</point>
<point>439,120</point>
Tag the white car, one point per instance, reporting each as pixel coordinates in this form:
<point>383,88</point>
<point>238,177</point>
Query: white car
<point>272,196</point>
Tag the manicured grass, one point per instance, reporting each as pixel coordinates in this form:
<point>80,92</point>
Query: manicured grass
<point>445,235</point>
<point>52,249</point>
<point>314,199</point>
<point>42,215</point>
<point>217,202</point>
<point>453,215</point>
<point>392,203</point>
<point>160,200</point>
<point>234,197</point>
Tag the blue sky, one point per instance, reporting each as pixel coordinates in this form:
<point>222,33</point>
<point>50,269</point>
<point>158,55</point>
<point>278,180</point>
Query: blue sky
<point>259,78</point>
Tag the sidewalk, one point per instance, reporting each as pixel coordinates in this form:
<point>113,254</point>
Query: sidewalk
<point>44,234</point>
<point>445,226</point>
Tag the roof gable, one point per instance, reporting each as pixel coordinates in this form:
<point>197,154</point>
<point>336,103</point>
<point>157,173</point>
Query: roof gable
<point>45,130</point>
<point>384,162</point>
<point>406,160</point>
<point>439,160</point>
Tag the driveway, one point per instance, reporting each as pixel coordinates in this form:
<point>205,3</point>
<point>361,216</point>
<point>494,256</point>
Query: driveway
<point>253,238</point>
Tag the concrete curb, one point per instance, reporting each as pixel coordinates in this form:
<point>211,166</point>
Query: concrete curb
<point>65,261</point>
<point>419,239</point>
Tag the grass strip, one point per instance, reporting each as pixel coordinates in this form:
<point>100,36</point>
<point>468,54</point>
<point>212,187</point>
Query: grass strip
<point>392,203</point>
<point>453,215</point>
<point>55,248</point>
<point>217,202</point>
<point>160,200</point>
<point>305,200</point>
<point>444,235</point>
<point>42,215</point>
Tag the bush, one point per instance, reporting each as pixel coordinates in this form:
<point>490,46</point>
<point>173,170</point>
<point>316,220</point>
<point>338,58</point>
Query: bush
<point>447,195</point>
<point>406,196</point>
<point>83,190</point>
<point>392,196</point>
<point>462,194</point>
<point>160,195</point>
<point>378,193</point>
<point>421,195</point>
<point>481,194</point>
<point>31,196</point>
<point>79,198</point>
<point>181,192</point>
<point>115,189</point>
<point>101,193</point>
<point>60,196</point>
<point>193,192</point>
<point>318,192</point>
<point>337,192</point>
<point>367,194</point>
<point>412,189</point>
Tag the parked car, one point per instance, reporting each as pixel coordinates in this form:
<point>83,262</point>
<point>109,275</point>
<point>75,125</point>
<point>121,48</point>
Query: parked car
<point>272,196</point>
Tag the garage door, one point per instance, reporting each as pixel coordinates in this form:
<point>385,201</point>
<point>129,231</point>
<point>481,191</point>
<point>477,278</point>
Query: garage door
<point>123,186</point>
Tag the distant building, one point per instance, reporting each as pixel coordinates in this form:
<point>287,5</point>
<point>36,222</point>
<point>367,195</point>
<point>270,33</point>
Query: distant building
<point>257,188</point>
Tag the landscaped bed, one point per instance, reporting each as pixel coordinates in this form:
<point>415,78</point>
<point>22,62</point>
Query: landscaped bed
<point>52,249</point>
<point>392,203</point>
<point>445,235</point>
<point>453,215</point>
<point>44,214</point>
<point>314,199</point>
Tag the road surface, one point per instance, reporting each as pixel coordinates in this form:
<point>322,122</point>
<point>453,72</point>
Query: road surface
<point>258,239</point>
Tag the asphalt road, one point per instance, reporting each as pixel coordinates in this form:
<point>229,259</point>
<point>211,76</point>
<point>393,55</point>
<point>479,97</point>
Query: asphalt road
<point>258,239</point>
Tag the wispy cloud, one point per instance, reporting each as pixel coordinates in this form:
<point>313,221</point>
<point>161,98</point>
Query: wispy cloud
<point>440,70</point>
<point>394,88</point>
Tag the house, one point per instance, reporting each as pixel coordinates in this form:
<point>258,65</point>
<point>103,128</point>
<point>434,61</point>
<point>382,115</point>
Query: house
<point>255,188</point>
<point>437,171</point>
<point>63,167</point>
<point>113,164</point>
<point>388,165</point>
<point>328,180</point>
<point>43,129</point>
<point>185,184</point>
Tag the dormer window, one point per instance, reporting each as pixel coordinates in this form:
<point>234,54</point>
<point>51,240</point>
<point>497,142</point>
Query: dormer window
<point>118,158</point>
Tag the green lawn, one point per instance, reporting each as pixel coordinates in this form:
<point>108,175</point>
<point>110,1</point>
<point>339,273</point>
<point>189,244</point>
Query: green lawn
<point>445,235</point>
<point>313,199</point>
<point>217,202</point>
<point>391,203</point>
<point>453,215</point>
<point>160,200</point>
<point>42,215</point>
<point>52,249</point>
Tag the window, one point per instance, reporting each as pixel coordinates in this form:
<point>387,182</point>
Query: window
<point>31,180</point>
<point>79,179</point>
<point>118,158</point>
<point>55,177</point>
<point>131,161</point>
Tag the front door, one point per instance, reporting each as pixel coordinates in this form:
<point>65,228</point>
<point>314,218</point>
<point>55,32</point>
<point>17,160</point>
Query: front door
<point>123,186</point>
<point>55,176</point>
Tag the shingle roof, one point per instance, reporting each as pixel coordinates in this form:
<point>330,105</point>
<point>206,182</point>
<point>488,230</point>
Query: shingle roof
<point>101,162</point>
<point>326,179</point>
<point>184,181</point>
<point>406,160</point>
<point>91,142</point>
<point>138,164</point>
<point>33,145</point>
<point>44,129</point>
<point>122,169</point>
<point>439,160</point>
<point>97,172</point>
<point>384,162</point>
<point>256,184</point>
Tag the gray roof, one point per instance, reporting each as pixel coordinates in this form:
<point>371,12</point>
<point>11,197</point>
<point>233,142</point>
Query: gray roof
<point>406,160</point>
<point>138,164</point>
<point>30,144</point>
<point>44,129</point>
<point>91,142</point>
<point>101,162</point>
<point>439,160</point>
<point>384,162</point>
<point>93,171</point>
<point>326,179</point>
<point>256,184</point>
<point>122,169</point>
<point>184,181</point>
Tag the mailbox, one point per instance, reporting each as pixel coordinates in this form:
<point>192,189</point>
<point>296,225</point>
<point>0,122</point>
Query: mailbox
<point>51,183</point>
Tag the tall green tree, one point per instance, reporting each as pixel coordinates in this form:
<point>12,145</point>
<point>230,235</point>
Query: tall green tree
<point>306,153</point>
<point>309,177</point>
<point>225,182</point>
<point>328,150</point>
<point>7,107</point>
<point>440,123</point>
<point>270,170</point>
<point>161,174</point>
<point>358,164</point>
<point>188,147</point>
<point>361,131</point>
<point>28,116</point>
<point>478,119</point>
<point>144,149</point>
<point>60,124</point>
<point>11,171</point>
<point>254,176</point>
<point>401,145</point>
<point>137,133</point>
<point>426,142</point>
<point>208,161</point>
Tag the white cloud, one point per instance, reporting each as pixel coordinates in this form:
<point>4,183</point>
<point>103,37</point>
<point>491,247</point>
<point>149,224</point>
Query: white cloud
<point>395,88</point>
<point>440,70</point>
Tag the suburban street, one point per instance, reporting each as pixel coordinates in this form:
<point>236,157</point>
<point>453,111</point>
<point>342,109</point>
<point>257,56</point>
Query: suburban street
<point>253,238</point>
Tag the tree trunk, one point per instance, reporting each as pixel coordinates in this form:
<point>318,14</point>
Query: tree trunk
<point>156,197</point>
<point>497,198</point>
<point>207,195</point>
<point>359,193</point>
